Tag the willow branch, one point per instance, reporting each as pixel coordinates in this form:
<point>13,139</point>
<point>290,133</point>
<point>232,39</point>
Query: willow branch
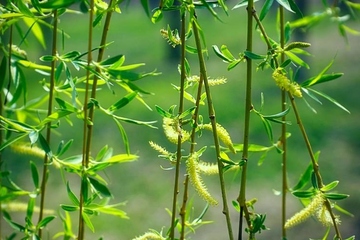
<point>248,107</point>
<point>49,112</point>
<point>211,111</point>
<point>283,132</point>
<point>181,109</point>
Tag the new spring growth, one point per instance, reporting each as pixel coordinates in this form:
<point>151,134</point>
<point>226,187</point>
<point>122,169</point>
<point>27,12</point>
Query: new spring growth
<point>285,84</point>
<point>172,37</point>
<point>294,45</point>
<point>195,179</point>
<point>315,208</point>
<point>173,129</point>
<point>224,136</point>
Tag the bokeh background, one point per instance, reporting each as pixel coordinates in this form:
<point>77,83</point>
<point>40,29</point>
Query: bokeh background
<point>147,188</point>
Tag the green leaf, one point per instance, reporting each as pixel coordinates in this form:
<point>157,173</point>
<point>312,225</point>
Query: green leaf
<point>303,194</point>
<point>304,178</point>
<point>104,154</point>
<point>285,4</point>
<point>251,148</point>
<point>145,5</point>
<point>34,175</point>
<point>69,208</point>
<point>268,128</point>
<point>330,99</point>
<point>236,205</point>
<point>30,207</point>
<point>122,102</point>
<point>163,112</point>
<point>243,3</point>
<point>295,8</point>
<point>329,186</point>
<point>36,30</point>
<point>45,146</point>
<point>254,56</point>
<point>123,135</point>
<point>101,188</point>
<point>209,8</point>
<point>72,196</point>
<point>296,59</point>
<point>157,16</point>
<point>336,196</point>
<point>114,62</point>
<point>220,54</point>
<point>45,221</point>
<point>64,147</point>
<point>23,8</point>
<point>265,9</point>
<point>55,4</point>
<point>88,221</point>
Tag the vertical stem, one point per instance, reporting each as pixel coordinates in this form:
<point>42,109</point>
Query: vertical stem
<point>248,107</point>
<point>49,112</point>
<point>211,110</point>
<point>95,81</point>
<point>183,208</point>
<point>86,150</point>
<point>181,109</point>
<point>283,132</point>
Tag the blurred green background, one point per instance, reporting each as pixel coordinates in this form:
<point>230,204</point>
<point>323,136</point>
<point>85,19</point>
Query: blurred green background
<point>147,188</point>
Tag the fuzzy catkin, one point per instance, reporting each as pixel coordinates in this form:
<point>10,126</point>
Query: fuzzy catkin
<point>311,209</point>
<point>149,236</point>
<point>223,135</point>
<point>285,84</point>
<point>195,179</point>
<point>172,130</point>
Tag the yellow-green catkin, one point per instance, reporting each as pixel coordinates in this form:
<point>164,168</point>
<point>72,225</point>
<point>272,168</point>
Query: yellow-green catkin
<point>172,130</point>
<point>171,38</point>
<point>208,168</point>
<point>195,179</point>
<point>159,149</point>
<point>223,135</point>
<point>27,149</point>
<point>284,83</point>
<point>150,236</point>
<point>324,216</point>
<point>212,82</point>
<point>311,209</point>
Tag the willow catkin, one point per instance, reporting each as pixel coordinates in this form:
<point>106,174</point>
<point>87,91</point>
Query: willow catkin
<point>196,181</point>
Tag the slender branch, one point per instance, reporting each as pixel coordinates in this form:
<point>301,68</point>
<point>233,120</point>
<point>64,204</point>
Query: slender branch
<point>181,109</point>
<point>283,132</point>
<point>183,208</point>
<point>86,150</point>
<point>315,165</point>
<point>248,107</point>
<point>211,111</point>
<point>49,112</point>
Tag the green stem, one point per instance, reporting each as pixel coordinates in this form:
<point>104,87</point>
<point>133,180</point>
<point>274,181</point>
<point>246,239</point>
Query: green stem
<point>49,112</point>
<point>86,150</point>
<point>178,151</point>
<point>211,111</point>
<point>283,132</point>
<point>305,136</point>
<point>248,107</point>
<point>183,207</point>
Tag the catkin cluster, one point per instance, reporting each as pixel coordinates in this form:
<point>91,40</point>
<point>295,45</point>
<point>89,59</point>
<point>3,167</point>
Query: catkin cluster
<point>173,129</point>
<point>284,83</point>
<point>315,208</point>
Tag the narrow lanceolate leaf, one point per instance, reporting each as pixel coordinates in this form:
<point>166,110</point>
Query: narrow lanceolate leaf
<point>88,221</point>
<point>72,196</point>
<point>55,4</point>
<point>265,9</point>
<point>100,187</point>
<point>336,196</point>
<point>303,194</point>
<point>35,175</point>
<point>330,99</point>
<point>145,5</point>
<point>254,56</point>
<point>36,30</point>
<point>285,4</point>
<point>330,186</point>
<point>45,221</point>
<point>297,60</point>
<point>221,55</point>
<point>304,179</point>
<point>123,135</point>
<point>122,102</point>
